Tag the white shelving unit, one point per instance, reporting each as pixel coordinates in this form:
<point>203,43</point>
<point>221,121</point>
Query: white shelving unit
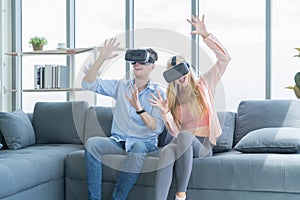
<point>66,52</point>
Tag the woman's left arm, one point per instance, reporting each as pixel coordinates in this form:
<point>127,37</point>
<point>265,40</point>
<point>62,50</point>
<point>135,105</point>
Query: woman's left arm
<point>213,75</point>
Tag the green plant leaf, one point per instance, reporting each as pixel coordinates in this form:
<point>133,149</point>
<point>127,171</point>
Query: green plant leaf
<point>38,41</point>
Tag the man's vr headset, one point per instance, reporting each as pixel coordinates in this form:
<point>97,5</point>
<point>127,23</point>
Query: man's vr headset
<point>176,71</point>
<point>139,56</point>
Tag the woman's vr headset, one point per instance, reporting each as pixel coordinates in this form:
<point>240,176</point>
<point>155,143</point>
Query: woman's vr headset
<point>176,71</point>
<point>139,55</point>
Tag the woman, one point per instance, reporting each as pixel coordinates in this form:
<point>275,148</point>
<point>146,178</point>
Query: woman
<point>188,112</point>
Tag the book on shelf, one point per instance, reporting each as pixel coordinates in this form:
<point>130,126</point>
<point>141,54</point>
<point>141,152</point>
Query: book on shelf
<point>51,76</point>
<point>37,76</point>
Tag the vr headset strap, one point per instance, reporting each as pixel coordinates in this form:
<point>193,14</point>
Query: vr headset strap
<point>173,62</point>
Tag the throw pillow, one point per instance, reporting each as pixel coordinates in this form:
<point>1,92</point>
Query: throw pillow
<point>17,129</point>
<point>225,141</point>
<point>270,140</point>
<point>257,114</point>
<point>98,123</point>
<point>59,122</point>
<point>1,146</point>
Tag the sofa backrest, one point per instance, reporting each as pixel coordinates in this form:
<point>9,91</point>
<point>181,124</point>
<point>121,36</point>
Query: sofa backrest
<point>74,122</point>
<point>59,122</point>
<point>225,141</point>
<point>257,114</point>
<point>99,120</point>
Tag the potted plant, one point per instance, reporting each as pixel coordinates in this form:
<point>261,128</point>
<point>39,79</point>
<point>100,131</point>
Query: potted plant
<point>296,87</point>
<point>38,43</point>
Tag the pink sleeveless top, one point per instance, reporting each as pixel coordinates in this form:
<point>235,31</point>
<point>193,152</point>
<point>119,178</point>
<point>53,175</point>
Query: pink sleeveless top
<point>188,121</point>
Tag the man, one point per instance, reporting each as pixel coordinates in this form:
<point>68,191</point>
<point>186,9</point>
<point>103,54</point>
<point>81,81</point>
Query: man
<point>135,127</point>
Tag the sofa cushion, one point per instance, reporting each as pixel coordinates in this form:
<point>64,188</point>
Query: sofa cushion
<point>247,172</point>
<point>112,163</point>
<point>225,141</point>
<point>76,175</point>
<point>26,168</point>
<point>59,122</point>
<point>232,171</point>
<point>16,129</point>
<point>257,114</point>
<point>98,122</point>
<point>270,140</point>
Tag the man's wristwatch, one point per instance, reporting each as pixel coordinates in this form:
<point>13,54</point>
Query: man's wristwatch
<point>140,111</point>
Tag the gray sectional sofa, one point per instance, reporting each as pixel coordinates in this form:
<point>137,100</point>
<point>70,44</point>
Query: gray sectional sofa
<point>32,161</point>
<point>257,156</point>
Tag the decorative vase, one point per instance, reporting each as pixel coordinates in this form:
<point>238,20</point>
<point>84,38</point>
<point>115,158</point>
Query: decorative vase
<point>38,48</point>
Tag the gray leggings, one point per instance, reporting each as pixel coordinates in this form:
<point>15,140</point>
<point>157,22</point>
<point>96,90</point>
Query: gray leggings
<point>179,154</point>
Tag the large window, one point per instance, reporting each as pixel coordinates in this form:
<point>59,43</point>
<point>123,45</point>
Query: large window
<point>243,34</point>
<point>285,37</point>
<point>162,25</point>
<point>239,25</point>
<point>41,18</point>
<point>97,21</point>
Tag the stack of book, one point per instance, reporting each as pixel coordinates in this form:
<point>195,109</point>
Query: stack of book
<point>51,76</point>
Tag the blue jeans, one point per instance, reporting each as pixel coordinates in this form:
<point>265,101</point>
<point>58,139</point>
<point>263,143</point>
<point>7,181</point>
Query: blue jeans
<point>98,146</point>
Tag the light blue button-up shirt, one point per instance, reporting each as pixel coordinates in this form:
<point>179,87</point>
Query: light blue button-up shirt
<point>127,125</point>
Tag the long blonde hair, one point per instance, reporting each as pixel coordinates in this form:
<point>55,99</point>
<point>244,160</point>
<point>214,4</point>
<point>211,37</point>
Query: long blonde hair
<point>196,104</point>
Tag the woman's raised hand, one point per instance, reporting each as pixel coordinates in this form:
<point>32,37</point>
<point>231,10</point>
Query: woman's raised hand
<point>199,26</point>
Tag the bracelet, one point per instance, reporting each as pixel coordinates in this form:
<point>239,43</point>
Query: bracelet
<point>206,36</point>
<point>140,112</point>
